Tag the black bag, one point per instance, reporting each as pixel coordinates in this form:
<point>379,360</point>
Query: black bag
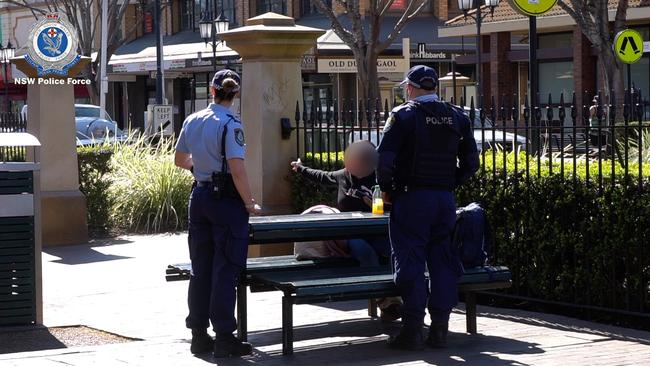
<point>472,236</point>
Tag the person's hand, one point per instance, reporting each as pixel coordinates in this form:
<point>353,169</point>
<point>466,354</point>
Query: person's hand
<point>295,165</point>
<point>254,209</point>
<point>385,197</point>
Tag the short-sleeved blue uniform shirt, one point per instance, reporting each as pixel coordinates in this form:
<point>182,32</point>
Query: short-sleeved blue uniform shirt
<point>201,136</point>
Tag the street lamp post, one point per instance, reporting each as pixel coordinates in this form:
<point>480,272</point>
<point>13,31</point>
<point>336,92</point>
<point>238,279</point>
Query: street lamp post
<point>466,6</point>
<point>210,31</point>
<point>6,54</point>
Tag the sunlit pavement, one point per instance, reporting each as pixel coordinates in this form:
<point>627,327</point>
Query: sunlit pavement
<point>119,286</point>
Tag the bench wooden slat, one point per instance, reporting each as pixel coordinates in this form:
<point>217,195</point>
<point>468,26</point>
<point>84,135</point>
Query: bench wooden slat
<point>287,228</point>
<point>293,280</point>
<point>180,272</point>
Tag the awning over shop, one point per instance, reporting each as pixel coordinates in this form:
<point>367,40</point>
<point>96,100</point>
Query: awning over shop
<point>183,51</point>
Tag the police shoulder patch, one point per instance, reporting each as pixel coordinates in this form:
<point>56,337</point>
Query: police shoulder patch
<point>389,122</point>
<point>239,137</point>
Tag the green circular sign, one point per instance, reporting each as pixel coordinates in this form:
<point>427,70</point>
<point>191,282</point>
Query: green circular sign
<point>532,7</point>
<point>628,46</point>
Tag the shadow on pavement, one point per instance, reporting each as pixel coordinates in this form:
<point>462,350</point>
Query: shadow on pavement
<point>559,322</point>
<point>371,347</point>
<point>82,254</point>
<point>26,340</point>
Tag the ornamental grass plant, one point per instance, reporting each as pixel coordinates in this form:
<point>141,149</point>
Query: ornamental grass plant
<point>149,193</point>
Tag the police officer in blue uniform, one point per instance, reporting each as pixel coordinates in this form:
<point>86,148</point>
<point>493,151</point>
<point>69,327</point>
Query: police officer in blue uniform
<point>211,145</point>
<point>428,149</point>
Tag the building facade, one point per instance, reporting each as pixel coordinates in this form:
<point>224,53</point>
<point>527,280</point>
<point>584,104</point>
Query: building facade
<point>567,62</point>
<point>189,61</point>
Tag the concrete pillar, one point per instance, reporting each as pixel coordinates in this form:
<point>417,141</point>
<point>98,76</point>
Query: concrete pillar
<point>50,117</point>
<point>271,47</point>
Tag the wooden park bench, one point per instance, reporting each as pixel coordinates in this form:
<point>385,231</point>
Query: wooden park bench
<point>338,279</point>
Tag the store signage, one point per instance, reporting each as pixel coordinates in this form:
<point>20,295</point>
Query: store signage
<point>349,65</point>
<point>532,7</point>
<point>308,63</point>
<point>145,66</point>
<point>423,54</point>
<point>628,46</point>
<point>199,63</point>
<point>646,47</point>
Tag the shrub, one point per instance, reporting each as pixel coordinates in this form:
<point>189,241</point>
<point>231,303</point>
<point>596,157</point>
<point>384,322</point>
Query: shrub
<point>564,237</point>
<point>305,192</point>
<point>94,166</point>
<point>149,192</point>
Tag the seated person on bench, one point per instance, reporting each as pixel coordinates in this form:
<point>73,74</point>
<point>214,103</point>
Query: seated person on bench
<point>355,182</point>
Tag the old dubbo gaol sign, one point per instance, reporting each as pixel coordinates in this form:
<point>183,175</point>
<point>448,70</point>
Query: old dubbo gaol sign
<point>532,7</point>
<point>628,46</point>
<point>52,46</point>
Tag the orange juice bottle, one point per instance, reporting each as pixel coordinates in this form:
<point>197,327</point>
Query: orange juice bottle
<point>377,201</point>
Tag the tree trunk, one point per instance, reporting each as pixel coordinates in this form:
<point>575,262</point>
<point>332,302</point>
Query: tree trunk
<point>368,79</point>
<point>612,70</point>
<point>93,87</point>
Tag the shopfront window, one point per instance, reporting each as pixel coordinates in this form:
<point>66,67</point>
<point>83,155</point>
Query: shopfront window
<point>307,7</point>
<point>229,11</point>
<point>640,75</point>
<point>192,11</point>
<point>275,6</point>
<point>556,78</point>
<point>191,14</point>
<point>555,40</point>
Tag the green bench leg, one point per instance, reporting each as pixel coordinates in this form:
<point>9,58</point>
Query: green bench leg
<point>242,316</point>
<point>470,312</point>
<point>287,324</point>
<point>372,308</point>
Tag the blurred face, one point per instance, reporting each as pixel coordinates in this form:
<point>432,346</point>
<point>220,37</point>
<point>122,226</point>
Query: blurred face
<point>356,159</point>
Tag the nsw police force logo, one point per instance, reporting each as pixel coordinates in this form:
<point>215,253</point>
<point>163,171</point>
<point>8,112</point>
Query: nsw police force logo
<point>52,46</point>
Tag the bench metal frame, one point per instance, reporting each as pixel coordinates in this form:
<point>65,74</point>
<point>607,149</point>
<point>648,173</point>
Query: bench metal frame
<point>280,229</point>
<point>289,299</point>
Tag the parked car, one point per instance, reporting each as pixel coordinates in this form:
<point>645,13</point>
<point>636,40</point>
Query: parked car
<point>483,134</point>
<point>90,128</point>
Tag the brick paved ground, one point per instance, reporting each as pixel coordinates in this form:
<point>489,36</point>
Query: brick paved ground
<point>120,288</point>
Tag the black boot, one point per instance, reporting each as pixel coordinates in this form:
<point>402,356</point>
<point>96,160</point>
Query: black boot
<point>438,335</point>
<point>408,338</point>
<point>230,346</point>
<point>201,341</point>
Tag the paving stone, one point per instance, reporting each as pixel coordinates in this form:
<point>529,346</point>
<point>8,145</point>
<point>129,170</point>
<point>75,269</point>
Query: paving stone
<point>121,289</point>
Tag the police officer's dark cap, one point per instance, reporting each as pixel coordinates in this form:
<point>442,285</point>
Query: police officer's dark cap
<point>422,77</point>
<point>221,75</point>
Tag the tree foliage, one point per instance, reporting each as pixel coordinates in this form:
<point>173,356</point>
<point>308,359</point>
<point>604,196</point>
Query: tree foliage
<point>363,33</point>
<point>592,17</point>
<point>85,17</point>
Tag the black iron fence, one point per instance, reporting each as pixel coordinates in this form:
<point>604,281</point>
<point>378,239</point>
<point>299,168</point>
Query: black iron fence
<point>12,122</point>
<point>553,135</point>
<point>567,188</point>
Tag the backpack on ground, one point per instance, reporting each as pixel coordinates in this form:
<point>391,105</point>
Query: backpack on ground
<point>472,235</point>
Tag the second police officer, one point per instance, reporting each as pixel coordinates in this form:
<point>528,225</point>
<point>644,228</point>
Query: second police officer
<point>211,145</point>
<point>428,149</point>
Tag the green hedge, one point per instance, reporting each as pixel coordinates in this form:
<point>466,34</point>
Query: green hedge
<point>94,167</point>
<point>306,193</point>
<point>564,239</point>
